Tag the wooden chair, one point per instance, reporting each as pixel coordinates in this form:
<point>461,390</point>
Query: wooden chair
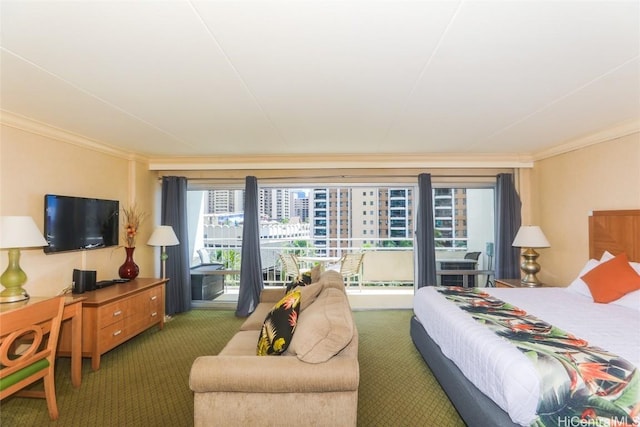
<point>35,326</point>
<point>351,266</point>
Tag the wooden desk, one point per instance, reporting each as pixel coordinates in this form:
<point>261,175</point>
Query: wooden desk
<point>73,314</point>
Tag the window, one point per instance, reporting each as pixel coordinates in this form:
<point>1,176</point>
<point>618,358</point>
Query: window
<point>329,221</point>
<point>470,225</point>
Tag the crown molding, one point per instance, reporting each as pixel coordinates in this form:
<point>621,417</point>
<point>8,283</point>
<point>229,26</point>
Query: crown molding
<point>342,161</point>
<point>26,124</point>
<point>619,131</point>
<point>317,161</point>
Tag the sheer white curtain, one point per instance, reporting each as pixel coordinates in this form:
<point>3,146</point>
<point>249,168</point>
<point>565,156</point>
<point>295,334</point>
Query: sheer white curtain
<point>174,213</point>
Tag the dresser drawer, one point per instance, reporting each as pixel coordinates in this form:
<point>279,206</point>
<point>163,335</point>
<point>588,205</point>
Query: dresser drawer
<point>155,298</point>
<point>112,313</point>
<point>142,321</point>
<point>112,335</point>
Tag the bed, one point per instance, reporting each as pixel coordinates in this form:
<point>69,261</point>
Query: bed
<point>489,380</point>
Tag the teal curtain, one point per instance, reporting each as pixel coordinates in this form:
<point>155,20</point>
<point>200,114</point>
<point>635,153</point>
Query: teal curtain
<point>251,281</point>
<point>508,221</point>
<point>174,213</point>
<point>425,234</point>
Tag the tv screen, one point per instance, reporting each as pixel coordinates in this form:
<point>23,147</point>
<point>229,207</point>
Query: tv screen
<point>78,223</point>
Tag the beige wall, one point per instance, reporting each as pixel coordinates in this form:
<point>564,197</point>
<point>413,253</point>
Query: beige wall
<point>32,165</point>
<point>567,187</point>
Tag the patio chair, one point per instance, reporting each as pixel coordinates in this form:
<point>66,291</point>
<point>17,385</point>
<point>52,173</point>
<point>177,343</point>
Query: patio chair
<point>27,354</point>
<point>350,266</point>
<point>291,266</point>
<point>472,255</point>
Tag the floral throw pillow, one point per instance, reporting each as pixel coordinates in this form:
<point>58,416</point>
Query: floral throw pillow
<point>279,325</point>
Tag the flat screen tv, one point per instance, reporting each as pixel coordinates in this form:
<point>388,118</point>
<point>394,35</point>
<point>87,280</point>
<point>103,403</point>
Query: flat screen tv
<point>79,223</point>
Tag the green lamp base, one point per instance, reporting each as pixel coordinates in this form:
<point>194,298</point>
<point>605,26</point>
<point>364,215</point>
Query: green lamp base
<point>12,279</point>
<point>14,298</point>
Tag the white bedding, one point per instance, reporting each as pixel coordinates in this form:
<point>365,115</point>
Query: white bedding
<point>499,369</point>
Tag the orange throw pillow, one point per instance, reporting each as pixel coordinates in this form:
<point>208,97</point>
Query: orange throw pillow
<point>612,279</point>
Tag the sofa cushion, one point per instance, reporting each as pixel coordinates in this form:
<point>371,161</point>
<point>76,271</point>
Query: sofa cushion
<point>315,273</point>
<point>308,294</point>
<point>333,279</point>
<point>279,325</point>
<point>324,329</point>
<point>256,319</point>
<point>306,278</point>
<point>243,343</point>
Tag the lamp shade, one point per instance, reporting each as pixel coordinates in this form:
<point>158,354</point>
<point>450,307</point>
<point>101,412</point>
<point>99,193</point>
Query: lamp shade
<point>20,232</point>
<point>163,236</point>
<point>530,236</point>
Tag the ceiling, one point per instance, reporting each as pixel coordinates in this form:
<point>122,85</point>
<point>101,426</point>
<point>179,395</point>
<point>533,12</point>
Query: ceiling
<point>168,79</point>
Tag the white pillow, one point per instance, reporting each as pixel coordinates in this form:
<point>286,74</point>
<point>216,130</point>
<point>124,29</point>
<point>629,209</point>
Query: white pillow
<point>578,285</point>
<point>630,300</point>
<point>606,256</point>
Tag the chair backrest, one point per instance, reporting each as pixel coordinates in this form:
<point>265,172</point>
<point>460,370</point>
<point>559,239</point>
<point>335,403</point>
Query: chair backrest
<point>26,353</point>
<point>350,264</point>
<point>472,255</point>
<point>290,265</point>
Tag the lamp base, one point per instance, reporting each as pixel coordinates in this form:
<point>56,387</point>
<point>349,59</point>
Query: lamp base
<point>14,298</point>
<point>12,279</point>
<point>530,268</point>
<point>535,284</point>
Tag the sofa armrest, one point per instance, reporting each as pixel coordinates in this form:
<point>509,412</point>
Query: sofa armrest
<point>273,374</point>
<point>272,295</point>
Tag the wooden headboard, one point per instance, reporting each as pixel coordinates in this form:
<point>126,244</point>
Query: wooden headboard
<point>616,232</point>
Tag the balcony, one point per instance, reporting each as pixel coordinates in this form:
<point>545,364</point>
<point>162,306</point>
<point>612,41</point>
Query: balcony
<point>387,267</point>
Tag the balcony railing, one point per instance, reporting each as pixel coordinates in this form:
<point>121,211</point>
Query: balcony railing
<point>387,262</point>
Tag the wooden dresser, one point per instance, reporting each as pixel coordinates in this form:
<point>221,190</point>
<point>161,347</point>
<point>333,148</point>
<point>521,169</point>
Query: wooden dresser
<point>112,315</point>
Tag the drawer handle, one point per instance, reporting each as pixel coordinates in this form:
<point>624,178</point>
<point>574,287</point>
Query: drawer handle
<point>118,332</point>
<point>117,313</point>
<point>154,314</point>
<point>153,298</point>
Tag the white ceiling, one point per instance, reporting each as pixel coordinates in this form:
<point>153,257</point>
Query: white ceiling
<point>209,78</point>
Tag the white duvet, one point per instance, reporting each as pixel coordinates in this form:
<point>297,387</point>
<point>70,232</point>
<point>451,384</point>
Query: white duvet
<point>499,369</point>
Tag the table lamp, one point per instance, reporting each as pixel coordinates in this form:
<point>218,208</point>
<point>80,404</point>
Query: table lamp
<point>530,237</point>
<point>163,236</point>
<point>17,232</point>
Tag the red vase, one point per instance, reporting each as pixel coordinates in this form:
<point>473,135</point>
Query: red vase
<point>129,270</point>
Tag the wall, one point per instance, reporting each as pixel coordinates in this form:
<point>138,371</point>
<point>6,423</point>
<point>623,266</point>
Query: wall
<point>32,165</point>
<point>567,187</point>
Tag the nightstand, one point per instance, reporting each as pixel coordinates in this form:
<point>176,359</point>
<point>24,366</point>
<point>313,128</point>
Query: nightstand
<point>515,283</point>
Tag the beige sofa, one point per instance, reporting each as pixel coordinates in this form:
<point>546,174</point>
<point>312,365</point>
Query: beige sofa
<point>314,383</point>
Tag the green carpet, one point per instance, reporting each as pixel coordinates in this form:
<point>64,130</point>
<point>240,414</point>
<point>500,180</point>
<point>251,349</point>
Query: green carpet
<point>145,382</point>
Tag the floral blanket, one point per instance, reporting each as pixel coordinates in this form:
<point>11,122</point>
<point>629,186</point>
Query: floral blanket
<point>581,385</point>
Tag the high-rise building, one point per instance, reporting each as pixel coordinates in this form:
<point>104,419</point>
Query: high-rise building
<point>450,215</point>
<point>299,202</point>
<point>274,203</point>
<point>223,201</point>
<point>351,218</point>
